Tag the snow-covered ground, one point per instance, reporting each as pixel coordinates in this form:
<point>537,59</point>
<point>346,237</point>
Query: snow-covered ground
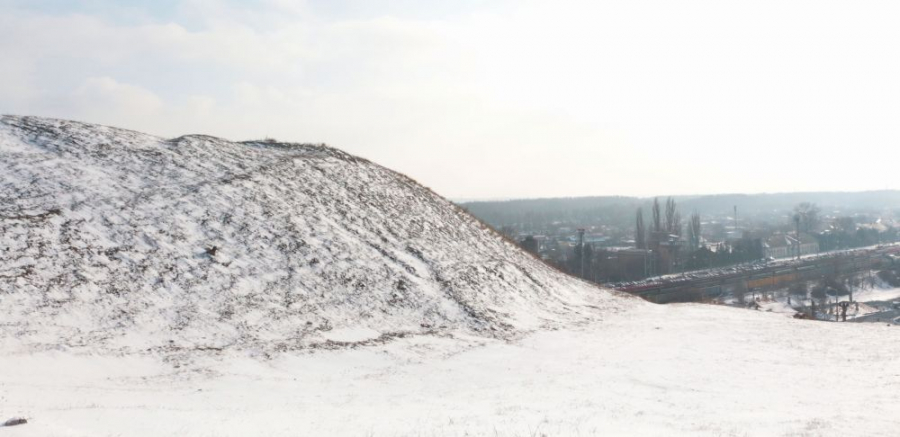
<point>878,293</point>
<point>198,286</point>
<point>870,298</point>
<point>657,370</point>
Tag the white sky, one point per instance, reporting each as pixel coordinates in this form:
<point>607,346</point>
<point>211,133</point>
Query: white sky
<point>481,99</point>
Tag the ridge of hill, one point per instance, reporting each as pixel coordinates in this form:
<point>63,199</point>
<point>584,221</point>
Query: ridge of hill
<point>115,240</point>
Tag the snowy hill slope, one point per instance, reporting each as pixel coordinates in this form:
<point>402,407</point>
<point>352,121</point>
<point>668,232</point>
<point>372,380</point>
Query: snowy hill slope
<point>115,239</point>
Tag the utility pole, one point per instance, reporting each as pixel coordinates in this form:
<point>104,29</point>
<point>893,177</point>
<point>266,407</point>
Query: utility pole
<point>797,223</point>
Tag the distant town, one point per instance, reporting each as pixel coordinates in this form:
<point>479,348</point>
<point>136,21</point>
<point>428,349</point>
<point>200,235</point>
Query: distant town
<point>616,239</point>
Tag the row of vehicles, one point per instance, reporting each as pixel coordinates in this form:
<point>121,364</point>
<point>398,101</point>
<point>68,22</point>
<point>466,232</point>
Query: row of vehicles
<point>703,284</point>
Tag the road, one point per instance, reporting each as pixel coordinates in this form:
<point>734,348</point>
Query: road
<point>702,285</point>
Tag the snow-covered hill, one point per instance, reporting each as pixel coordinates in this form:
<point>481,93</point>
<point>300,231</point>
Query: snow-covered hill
<point>114,241</point>
<point>123,241</point>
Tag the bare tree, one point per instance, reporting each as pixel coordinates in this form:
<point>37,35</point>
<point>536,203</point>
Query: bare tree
<point>694,232</point>
<point>657,219</point>
<point>740,291</point>
<point>671,212</point>
<point>809,216</point>
<point>843,228</point>
<point>530,244</point>
<point>677,226</point>
<point>640,234</point>
<point>844,224</point>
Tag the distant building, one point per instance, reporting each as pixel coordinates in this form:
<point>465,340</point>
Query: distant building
<point>596,239</point>
<point>632,264</point>
<point>667,249</point>
<point>786,245</point>
<point>734,235</point>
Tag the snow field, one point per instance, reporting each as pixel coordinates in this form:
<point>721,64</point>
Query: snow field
<point>668,370</point>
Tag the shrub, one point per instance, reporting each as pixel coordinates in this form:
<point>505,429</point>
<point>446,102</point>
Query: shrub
<point>15,421</point>
<point>890,277</point>
<point>800,289</point>
<point>818,293</point>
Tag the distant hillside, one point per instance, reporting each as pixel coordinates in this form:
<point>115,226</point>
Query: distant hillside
<point>620,211</point>
<point>753,203</point>
<point>115,239</point>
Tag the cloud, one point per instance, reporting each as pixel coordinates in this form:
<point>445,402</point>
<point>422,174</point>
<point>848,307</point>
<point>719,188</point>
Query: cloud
<point>113,102</point>
<point>525,98</point>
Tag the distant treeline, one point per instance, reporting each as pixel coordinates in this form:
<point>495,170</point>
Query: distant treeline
<point>538,213</point>
<point>619,210</point>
